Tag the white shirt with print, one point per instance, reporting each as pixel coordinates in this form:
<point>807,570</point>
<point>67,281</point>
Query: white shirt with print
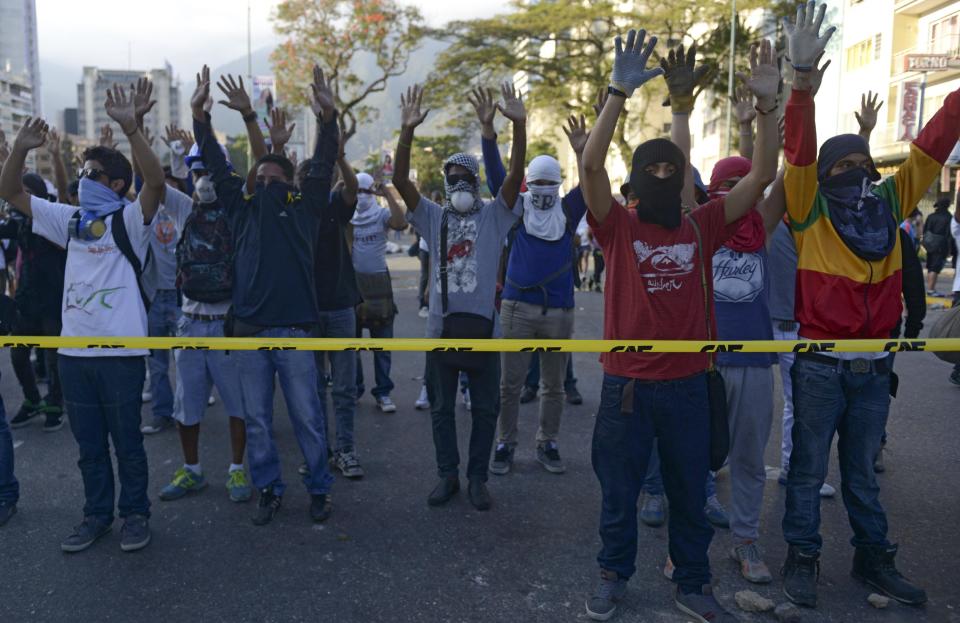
<point>161,271</point>
<point>100,293</point>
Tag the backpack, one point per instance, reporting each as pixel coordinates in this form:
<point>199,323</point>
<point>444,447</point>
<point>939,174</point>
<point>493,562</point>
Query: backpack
<point>205,255</point>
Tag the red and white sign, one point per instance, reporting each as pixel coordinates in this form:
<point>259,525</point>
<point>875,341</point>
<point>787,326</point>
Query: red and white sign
<point>926,62</point>
<point>909,106</point>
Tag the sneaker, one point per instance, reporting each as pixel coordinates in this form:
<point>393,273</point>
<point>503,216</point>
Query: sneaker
<point>668,568</point>
<point>800,573</point>
<point>703,606</point>
<point>267,507</point>
<point>238,484</point>
<point>303,470</point>
<point>752,567</point>
<point>716,513</point>
<point>348,463</point>
<point>878,466</point>
<point>445,489</point>
<point>466,400</point>
<point>135,533</point>
<point>156,425</point>
<point>479,494</point>
<point>184,481</point>
<point>574,397</point>
<point>652,512</point>
<point>609,592</point>
<point>53,420</point>
<point>827,491</point>
<point>955,377</point>
<point>386,405</point>
<point>527,394</point>
<point>502,460</point>
<point>423,402</point>
<point>7,510</point>
<point>146,396</point>
<point>424,312</point>
<point>28,411</point>
<point>84,535</point>
<point>212,400</point>
<point>320,507</point>
<point>875,566</point>
<point>549,456</point>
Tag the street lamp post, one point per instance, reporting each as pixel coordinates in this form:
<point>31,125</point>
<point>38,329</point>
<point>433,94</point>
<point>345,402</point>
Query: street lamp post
<point>730,76</point>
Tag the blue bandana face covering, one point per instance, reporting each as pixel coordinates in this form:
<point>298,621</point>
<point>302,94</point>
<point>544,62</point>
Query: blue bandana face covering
<point>97,199</point>
<point>862,219</point>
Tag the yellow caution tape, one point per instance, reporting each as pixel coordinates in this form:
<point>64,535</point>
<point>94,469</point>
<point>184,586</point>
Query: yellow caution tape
<point>513,346</point>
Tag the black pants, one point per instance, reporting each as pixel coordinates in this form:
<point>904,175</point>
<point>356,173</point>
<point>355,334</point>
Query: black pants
<point>442,387</point>
<point>424,277</point>
<point>20,358</point>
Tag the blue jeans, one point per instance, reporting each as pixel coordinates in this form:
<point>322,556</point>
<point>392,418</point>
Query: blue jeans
<point>9,487</point>
<point>298,380</point>
<point>343,370</point>
<point>828,400</point>
<point>533,375</point>
<point>103,403</point>
<point>162,321</point>
<point>653,483</point>
<point>676,414</point>
<point>381,365</point>
<point>442,385</point>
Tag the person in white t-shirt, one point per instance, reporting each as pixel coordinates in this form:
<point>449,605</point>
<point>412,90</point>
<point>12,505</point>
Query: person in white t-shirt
<point>105,240</point>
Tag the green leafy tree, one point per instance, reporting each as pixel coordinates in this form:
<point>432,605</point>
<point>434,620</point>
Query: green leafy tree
<point>238,147</point>
<point>360,45</point>
<point>541,147</point>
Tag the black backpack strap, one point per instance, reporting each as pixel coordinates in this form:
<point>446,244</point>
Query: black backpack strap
<point>443,263</point>
<point>121,237</point>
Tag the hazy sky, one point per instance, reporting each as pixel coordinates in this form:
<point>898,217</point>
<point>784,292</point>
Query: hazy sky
<point>185,32</point>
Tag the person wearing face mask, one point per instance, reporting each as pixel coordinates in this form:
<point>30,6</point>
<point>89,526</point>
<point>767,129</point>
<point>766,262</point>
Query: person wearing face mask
<point>659,287</point>
<point>376,312</point>
<point>537,302</point>
<point>849,284</point>
<point>465,237</point>
<point>107,242</point>
<point>274,294</point>
<point>204,277</point>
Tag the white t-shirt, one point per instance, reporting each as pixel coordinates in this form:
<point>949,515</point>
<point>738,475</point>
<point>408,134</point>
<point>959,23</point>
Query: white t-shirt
<point>100,293</point>
<point>370,241</point>
<point>955,232</point>
<point>161,270</point>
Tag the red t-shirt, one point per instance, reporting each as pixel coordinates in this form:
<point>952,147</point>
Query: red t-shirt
<point>654,290</point>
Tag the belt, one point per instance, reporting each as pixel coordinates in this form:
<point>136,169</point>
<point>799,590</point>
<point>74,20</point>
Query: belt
<point>857,366</point>
<point>787,326</point>
<point>203,317</point>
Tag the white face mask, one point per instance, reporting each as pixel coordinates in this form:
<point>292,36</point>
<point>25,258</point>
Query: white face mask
<point>365,201</point>
<point>462,201</point>
<point>544,196</point>
<point>206,190</point>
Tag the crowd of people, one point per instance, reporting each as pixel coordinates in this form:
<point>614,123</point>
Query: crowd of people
<point>811,249</point>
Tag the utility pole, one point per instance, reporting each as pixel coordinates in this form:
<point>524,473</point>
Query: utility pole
<point>249,78</point>
<point>730,75</point>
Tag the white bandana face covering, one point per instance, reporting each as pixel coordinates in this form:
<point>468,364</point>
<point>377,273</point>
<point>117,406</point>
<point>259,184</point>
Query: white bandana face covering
<point>543,214</point>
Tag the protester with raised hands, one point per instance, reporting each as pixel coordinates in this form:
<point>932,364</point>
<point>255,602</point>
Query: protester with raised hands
<point>848,286</point>
<point>274,293</point>
<point>659,288</point>
<point>465,236</point>
<point>107,241</point>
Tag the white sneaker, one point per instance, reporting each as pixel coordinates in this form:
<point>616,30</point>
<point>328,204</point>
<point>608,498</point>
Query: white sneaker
<point>466,400</point>
<point>386,405</point>
<point>826,491</point>
<point>424,312</point>
<point>422,402</point>
<point>146,396</point>
<point>211,400</point>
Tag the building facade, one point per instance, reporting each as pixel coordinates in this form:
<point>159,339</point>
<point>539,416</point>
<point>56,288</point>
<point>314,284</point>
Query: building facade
<point>19,56</point>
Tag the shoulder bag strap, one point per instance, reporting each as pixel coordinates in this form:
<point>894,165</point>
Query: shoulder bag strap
<point>703,284</point>
<point>443,262</point>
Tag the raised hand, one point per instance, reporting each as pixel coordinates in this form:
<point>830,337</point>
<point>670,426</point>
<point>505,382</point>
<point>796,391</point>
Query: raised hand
<point>410,104</point>
<point>764,79</point>
<point>142,92</point>
<point>484,104</point>
<point>683,77</point>
<point>743,106</point>
<point>280,134</point>
<point>323,101</point>
<point>512,107</point>
<point>33,134</point>
<point>630,63</point>
<point>237,98</point>
<point>577,134</point>
<point>816,76</point>
<point>867,117</point>
<point>106,137</point>
<point>804,42</point>
<point>169,135</point>
<point>53,143</point>
<point>602,95</point>
<point>122,109</point>
<point>148,135</point>
<point>186,139</point>
<point>201,94</point>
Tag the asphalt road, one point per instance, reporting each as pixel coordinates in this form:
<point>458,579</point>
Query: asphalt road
<point>386,556</point>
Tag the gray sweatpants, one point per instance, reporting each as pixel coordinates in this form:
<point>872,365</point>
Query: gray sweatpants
<point>750,407</point>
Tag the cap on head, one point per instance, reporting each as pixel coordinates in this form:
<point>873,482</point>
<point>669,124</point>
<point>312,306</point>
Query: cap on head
<point>837,148</point>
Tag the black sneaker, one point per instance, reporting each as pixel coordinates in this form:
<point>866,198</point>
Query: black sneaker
<point>608,593</point>
<point>549,456</point>
<point>84,535</point>
<point>502,459</point>
<point>574,397</point>
<point>28,410</point>
<point>267,507</point>
<point>53,418</point>
<point>135,533</point>
<point>320,507</point>
<point>442,493</point>
<point>528,394</point>
<point>800,574</point>
<point>875,567</point>
<point>7,510</point>
<point>703,606</point>
<point>479,495</point>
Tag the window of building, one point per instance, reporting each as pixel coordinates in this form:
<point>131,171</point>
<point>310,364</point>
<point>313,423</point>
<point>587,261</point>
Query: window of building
<point>877,46</point>
<point>860,54</point>
<point>945,36</point>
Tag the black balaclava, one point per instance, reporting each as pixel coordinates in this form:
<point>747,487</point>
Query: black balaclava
<point>660,202</point>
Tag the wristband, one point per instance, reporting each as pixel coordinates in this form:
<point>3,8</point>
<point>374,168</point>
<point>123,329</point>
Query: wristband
<point>612,90</point>
<point>129,134</point>
<point>250,117</point>
<point>776,105</point>
<point>804,69</point>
